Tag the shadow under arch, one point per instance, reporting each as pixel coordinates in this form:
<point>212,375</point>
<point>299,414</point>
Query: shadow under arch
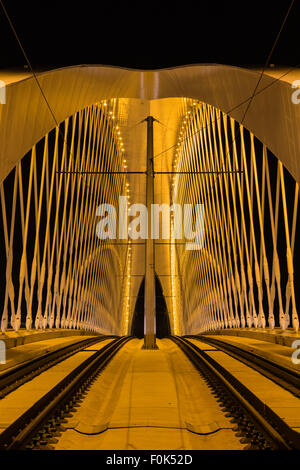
<point>162,318</point>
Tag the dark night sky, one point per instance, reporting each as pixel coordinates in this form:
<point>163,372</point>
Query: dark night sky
<point>148,34</point>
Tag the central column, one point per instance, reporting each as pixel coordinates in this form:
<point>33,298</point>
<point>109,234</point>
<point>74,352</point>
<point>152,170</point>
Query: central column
<point>150,300</point>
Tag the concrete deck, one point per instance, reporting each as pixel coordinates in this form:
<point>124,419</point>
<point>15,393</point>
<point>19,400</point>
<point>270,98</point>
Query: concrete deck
<point>150,399</point>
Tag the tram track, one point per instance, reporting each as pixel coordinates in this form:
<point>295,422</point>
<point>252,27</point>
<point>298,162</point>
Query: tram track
<point>42,420</point>
<point>260,426</point>
<point>13,378</point>
<point>44,424</point>
<point>286,378</point>
<point>148,398</point>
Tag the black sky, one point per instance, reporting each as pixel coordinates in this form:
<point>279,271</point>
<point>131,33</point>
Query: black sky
<point>150,34</point>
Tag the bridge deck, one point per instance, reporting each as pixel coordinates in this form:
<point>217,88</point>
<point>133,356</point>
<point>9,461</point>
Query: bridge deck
<point>149,400</point>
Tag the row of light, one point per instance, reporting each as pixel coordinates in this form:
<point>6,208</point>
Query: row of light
<point>175,178</point>
<point>128,260</point>
<point>127,290</point>
<point>127,277</point>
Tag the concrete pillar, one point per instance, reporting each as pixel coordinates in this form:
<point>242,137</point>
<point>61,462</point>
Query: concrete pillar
<point>150,300</point>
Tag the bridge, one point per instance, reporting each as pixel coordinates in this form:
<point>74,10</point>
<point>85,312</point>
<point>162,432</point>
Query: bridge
<point>81,142</point>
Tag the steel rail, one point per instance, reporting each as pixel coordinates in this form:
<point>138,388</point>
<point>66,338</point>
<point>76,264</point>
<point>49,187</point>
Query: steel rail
<point>260,425</point>
<point>22,373</point>
<point>59,400</point>
<point>286,378</point>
